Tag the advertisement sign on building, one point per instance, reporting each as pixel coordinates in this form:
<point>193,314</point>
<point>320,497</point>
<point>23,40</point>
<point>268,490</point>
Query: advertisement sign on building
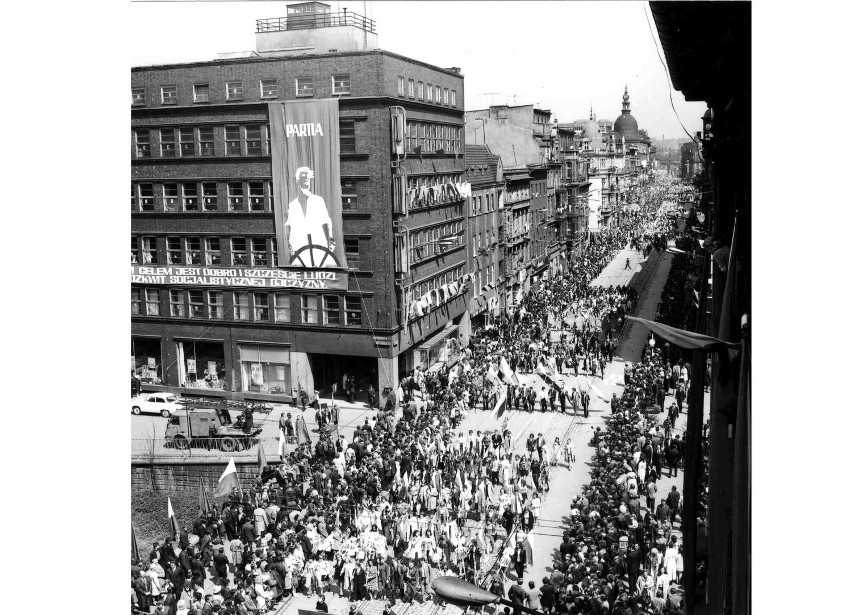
<point>152,363</point>
<point>190,366</point>
<point>257,374</point>
<point>305,146</point>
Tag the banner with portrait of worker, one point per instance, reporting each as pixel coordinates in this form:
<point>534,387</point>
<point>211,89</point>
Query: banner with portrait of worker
<point>305,145</point>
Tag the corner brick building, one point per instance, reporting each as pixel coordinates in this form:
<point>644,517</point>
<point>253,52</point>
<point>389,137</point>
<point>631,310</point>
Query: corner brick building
<point>202,196</point>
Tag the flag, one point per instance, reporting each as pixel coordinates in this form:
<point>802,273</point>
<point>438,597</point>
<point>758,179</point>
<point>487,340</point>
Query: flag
<point>282,443</point>
<point>684,339</point>
<point>459,479</point>
<point>173,521</point>
<point>228,481</point>
<point>134,548</point>
<point>302,433</point>
<point>261,458</point>
<point>528,547</point>
<point>203,501</point>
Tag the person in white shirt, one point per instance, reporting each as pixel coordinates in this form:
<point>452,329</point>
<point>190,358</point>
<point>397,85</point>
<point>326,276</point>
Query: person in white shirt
<point>307,214</point>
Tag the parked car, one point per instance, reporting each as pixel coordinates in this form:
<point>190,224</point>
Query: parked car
<point>164,404</point>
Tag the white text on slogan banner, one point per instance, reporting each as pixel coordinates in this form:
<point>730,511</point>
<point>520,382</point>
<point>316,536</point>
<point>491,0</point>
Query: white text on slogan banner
<point>239,276</point>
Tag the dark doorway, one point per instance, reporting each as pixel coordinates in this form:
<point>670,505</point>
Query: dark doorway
<point>331,368</point>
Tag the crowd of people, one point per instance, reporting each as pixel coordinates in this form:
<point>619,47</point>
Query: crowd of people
<point>413,497</point>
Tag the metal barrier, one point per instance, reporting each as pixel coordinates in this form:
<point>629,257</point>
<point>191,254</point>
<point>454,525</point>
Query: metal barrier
<point>200,448</point>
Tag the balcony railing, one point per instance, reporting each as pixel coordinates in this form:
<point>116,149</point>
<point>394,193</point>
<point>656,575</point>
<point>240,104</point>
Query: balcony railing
<point>307,21</point>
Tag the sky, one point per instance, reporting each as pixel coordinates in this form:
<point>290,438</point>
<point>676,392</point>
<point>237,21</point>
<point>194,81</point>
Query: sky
<point>560,55</point>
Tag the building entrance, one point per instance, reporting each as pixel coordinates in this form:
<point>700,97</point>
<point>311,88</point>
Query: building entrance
<point>331,368</point>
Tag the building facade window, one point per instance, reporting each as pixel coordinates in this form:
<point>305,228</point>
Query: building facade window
<point>261,307</point>
<point>429,92</point>
<point>259,256</point>
<point>168,94</point>
<point>330,310</point>
<point>152,302</point>
<point>420,90</point>
<point>187,142</point>
<point>215,305</point>
<point>309,309</point>
<point>411,88</point>
<point>142,140</point>
<point>351,248</point>
<point>177,307</point>
<point>241,306</point>
<point>282,307</point>
<point>190,197</point>
<point>149,251</point>
<point>146,197</point>
<point>256,198</point>
<point>206,141</point>
<point>347,137</point>
<point>269,88</point>
<point>349,196</point>
<point>453,98</point>
<point>201,92</point>
<point>167,142</point>
<point>135,302</point>
<point>234,90</point>
<point>193,251</point>
<point>446,96</point>
<point>236,196</point>
<point>232,141</point>
<point>239,254</point>
<point>254,141</point>
<point>137,97</point>
<point>400,86</point>
<point>196,303</point>
<point>340,85</point>
<point>174,251</point>
<point>212,251</point>
<point>352,311</point>
<point>304,86</point>
<point>170,197</point>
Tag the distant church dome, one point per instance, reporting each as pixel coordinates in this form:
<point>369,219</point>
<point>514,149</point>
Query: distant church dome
<point>626,125</point>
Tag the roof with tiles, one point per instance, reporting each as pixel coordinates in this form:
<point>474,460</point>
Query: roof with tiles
<point>481,164</point>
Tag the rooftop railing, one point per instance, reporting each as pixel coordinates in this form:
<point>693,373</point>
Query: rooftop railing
<point>308,21</point>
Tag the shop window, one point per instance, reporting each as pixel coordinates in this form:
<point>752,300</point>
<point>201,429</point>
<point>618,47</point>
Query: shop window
<point>135,301</point>
<point>234,90</point>
<point>351,247</point>
<point>239,254</point>
<point>167,142</point>
<point>168,94</point>
<point>256,199</point>
<point>142,139</point>
<point>193,251</point>
<point>201,365</point>
<point>349,196</point>
<point>261,306</point>
<point>190,197</point>
<point>146,359</point>
<point>304,86</point>
<point>236,196</point>
<point>241,306</point>
<point>173,251</point>
<point>149,251</point>
<point>212,251</point>
<point>265,369</point>
<point>330,310</point>
<point>170,197</point>
<point>186,136</point>
<point>137,97</point>
<point>254,141</point>
<point>211,196</point>
<point>309,309</point>
<point>134,251</point>
<point>352,310</point>
<point>258,252</point>
<point>201,92</point>
<point>269,88</point>
<point>282,307</point>
<point>215,305</point>
<point>340,85</point>
<point>206,141</point>
<point>177,307</point>
<point>347,137</point>
<point>232,141</point>
<point>152,301</point>
<point>196,303</point>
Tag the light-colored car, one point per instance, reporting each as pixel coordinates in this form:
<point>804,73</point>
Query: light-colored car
<point>164,404</point>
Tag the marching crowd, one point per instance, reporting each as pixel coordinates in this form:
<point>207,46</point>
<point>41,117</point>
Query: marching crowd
<point>412,497</point>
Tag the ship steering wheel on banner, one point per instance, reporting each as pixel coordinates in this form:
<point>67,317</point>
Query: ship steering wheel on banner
<point>313,256</point>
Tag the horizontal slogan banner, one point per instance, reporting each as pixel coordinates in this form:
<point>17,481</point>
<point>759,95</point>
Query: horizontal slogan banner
<point>258,277</point>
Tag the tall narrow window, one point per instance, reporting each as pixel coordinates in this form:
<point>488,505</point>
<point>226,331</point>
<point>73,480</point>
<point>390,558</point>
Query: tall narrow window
<point>135,301</point>
<point>347,137</point>
<point>196,304</point>
<point>134,251</point>
<point>453,98</point>
<point>351,248</point>
<point>212,251</point>
<point>400,86</point>
<point>232,141</point>
<point>429,92</point>
<point>236,196</point>
<point>149,251</point>
<point>261,306</point>
<point>349,196</point>
<point>253,141</point>
<point>215,305</point>
<point>190,197</point>
<point>167,142</point>
<point>142,139</point>
<point>446,96</point>
<point>239,254</point>
<point>187,142</point>
<point>193,251</point>
<point>206,143</point>
<point>309,309</point>
<point>420,90</point>
<point>211,196</point>
<point>133,198</point>
<point>170,197</point>
<point>256,199</point>
<point>174,251</point>
<point>282,307</point>
<point>201,92</point>
<point>352,311</point>
<point>152,302</point>
<point>177,307</point>
<point>411,88</point>
<point>258,252</point>
<point>241,306</point>
<point>330,310</point>
<point>234,90</point>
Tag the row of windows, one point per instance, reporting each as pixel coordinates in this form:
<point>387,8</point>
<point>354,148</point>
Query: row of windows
<point>237,90</point>
<point>207,141</point>
<point>426,243</point>
<point>256,196</point>
<point>241,252</point>
<point>431,137</point>
<point>483,204</point>
<point>426,92</point>
<point>435,282</point>
<point>247,306</point>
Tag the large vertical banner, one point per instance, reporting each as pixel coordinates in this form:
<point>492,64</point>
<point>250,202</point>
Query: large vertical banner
<point>595,203</point>
<point>305,146</point>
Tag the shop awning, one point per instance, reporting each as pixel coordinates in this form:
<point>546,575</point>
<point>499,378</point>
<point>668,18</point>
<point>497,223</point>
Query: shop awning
<point>439,337</point>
